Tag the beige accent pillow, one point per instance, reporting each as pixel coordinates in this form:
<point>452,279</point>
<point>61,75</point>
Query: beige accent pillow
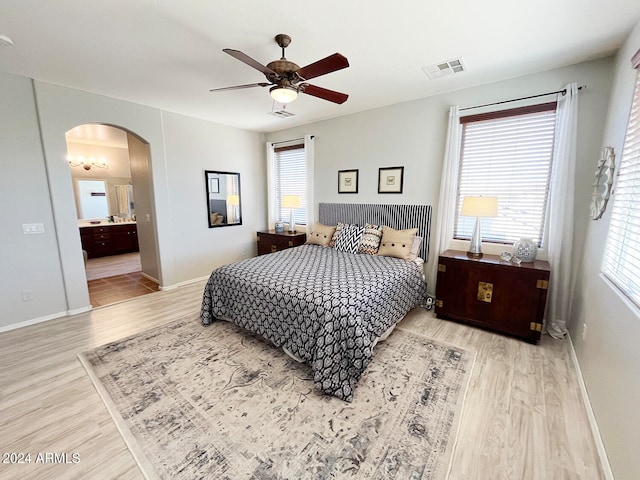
<point>321,235</point>
<point>397,243</point>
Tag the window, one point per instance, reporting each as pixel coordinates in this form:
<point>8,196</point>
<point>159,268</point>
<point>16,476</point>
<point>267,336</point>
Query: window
<point>290,178</point>
<point>507,154</point>
<point>621,263</point>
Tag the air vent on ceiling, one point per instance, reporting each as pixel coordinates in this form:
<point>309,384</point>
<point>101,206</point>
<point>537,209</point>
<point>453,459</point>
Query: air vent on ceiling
<point>444,69</point>
<point>281,114</point>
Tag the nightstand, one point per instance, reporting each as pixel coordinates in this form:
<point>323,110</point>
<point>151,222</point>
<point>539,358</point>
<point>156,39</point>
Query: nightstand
<point>494,294</point>
<point>269,241</point>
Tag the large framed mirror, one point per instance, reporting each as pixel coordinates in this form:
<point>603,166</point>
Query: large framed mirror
<point>91,199</point>
<point>224,206</point>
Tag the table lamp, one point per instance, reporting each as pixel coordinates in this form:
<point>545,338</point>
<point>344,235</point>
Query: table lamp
<point>479,207</point>
<point>292,202</point>
<point>234,202</point>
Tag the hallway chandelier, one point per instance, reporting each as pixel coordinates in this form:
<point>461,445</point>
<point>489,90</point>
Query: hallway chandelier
<point>80,161</point>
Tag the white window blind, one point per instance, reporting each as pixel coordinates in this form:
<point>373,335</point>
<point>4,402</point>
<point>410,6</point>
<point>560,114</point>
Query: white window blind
<point>508,155</point>
<point>290,168</point>
<point>621,263</point>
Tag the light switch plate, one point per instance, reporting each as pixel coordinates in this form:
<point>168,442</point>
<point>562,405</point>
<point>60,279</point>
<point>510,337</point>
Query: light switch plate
<point>32,228</point>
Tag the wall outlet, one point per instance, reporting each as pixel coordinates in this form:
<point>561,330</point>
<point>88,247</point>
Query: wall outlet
<point>584,331</point>
<point>27,295</point>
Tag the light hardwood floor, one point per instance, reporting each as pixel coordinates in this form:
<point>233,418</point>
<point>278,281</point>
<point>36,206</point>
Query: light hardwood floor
<point>523,416</point>
<point>113,265</point>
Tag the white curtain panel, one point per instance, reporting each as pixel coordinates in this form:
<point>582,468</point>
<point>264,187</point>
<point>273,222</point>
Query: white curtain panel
<point>271,201</point>
<point>561,210</point>
<point>448,191</point>
<point>310,152</point>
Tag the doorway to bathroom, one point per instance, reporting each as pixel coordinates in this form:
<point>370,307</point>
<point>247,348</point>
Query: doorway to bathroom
<point>112,188</point>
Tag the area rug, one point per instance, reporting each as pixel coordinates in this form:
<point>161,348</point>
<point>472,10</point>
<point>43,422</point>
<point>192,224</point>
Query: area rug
<point>218,403</point>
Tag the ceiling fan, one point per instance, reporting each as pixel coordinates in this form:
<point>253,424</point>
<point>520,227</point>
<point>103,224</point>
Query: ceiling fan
<point>287,79</point>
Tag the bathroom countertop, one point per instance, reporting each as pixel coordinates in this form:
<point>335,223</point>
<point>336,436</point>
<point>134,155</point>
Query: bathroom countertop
<point>103,223</point>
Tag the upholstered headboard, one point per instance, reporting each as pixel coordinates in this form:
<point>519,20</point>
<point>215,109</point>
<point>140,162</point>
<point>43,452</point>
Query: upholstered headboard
<point>399,217</point>
<point>219,206</point>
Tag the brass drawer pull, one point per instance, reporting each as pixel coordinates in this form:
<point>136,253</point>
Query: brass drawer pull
<point>485,291</point>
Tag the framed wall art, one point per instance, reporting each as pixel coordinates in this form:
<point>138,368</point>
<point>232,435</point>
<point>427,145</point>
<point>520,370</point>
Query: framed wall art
<point>214,185</point>
<point>390,179</point>
<point>348,181</point>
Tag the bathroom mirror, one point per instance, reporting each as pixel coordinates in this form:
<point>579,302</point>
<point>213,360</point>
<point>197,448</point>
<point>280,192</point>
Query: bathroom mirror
<point>224,207</point>
<point>91,199</point>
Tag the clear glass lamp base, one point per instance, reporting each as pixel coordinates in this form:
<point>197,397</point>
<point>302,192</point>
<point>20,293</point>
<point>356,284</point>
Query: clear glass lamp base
<point>475,247</point>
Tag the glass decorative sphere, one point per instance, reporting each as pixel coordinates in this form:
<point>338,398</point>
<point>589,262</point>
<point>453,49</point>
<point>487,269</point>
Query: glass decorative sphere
<point>525,249</point>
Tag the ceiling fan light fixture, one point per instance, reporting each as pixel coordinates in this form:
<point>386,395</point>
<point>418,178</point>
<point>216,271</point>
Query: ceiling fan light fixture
<point>283,94</point>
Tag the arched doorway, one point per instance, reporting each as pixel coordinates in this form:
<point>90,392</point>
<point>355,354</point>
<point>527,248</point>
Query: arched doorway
<point>110,169</point>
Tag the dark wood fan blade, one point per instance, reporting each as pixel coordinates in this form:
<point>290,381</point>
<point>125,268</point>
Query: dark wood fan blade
<point>323,93</point>
<point>238,87</point>
<point>322,67</point>
<point>238,55</point>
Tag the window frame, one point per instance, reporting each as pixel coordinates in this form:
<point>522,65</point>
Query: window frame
<point>621,254</point>
<point>459,240</point>
<point>278,215</point>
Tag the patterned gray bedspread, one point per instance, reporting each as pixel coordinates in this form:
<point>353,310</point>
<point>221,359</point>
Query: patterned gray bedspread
<point>325,306</point>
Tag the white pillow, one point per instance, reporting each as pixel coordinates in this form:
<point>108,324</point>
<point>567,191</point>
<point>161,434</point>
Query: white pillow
<point>415,248</point>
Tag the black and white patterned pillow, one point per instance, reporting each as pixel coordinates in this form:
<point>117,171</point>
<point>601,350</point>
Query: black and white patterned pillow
<point>336,234</point>
<point>349,238</point>
<point>371,239</point>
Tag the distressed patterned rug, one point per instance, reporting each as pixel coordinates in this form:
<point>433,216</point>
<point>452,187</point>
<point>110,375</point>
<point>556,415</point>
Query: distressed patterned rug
<point>216,402</point>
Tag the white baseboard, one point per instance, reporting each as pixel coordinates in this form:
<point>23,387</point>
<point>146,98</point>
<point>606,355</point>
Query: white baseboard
<point>151,278</point>
<point>602,453</point>
<point>33,321</point>
<point>182,284</point>
<point>76,311</point>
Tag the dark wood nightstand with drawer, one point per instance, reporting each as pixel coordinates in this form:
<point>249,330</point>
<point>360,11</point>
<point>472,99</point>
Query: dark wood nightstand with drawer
<point>269,241</point>
<point>493,294</point>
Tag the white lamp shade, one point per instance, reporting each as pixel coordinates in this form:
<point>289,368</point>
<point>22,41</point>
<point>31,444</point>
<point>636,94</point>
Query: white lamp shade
<point>291,201</point>
<point>283,94</point>
<point>479,207</point>
<point>233,199</point>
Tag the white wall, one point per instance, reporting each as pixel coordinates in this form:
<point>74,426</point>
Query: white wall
<point>27,262</point>
<point>609,354</point>
<point>413,134</point>
<point>204,146</point>
<point>38,188</point>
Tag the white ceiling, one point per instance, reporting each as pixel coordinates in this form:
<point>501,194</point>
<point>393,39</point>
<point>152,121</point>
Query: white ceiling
<point>168,53</point>
<point>99,135</point>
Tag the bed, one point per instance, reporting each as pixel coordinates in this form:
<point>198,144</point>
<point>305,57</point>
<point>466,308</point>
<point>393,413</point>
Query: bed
<point>325,307</point>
